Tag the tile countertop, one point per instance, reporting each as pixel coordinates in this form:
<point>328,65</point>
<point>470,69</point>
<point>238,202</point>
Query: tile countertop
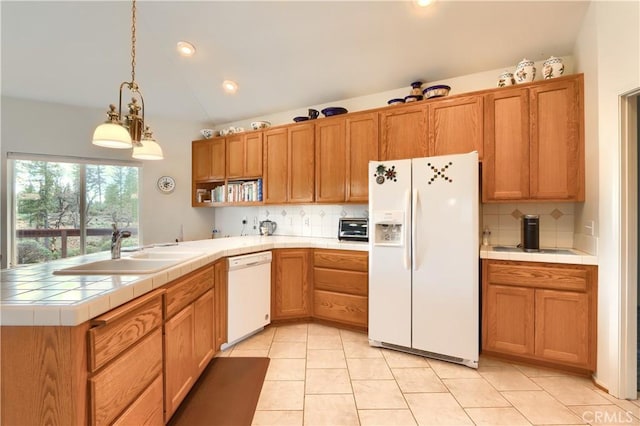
<point>33,295</point>
<point>576,256</point>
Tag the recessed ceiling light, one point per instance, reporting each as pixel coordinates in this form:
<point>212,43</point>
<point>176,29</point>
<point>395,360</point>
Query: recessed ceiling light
<point>230,86</point>
<point>424,3</point>
<point>185,48</point>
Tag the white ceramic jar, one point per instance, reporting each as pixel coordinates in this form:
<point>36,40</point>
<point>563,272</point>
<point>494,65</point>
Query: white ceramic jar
<point>506,79</point>
<point>525,71</point>
<point>552,67</point>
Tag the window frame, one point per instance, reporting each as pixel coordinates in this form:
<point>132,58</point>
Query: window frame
<point>83,162</point>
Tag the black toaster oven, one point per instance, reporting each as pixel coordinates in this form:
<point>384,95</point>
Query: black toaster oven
<point>353,229</point>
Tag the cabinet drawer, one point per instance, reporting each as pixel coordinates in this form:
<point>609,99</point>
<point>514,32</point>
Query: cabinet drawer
<point>117,386</point>
<point>341,259</point>
<point>147,409</point>
<point>344,308</point>
<point>120,328</point>
<point>185,290</point>
<point>545,275</point>
<point>351,282</point>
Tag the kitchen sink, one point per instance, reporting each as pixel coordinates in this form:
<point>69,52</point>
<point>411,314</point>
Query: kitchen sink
<point>143,263</point>
<point>512,249</point>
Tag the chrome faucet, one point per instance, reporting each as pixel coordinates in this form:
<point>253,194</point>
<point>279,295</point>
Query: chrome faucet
<point>116,241</point>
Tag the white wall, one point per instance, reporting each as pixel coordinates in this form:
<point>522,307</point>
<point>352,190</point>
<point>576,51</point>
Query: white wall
<point>608,51</point>
<point>462,84</point>
<point>46,128</point>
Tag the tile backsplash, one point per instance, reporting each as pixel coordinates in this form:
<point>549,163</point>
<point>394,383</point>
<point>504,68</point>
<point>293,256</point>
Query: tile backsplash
<point>505,223</point>
<point>308,220</point>
<point>321,220</point>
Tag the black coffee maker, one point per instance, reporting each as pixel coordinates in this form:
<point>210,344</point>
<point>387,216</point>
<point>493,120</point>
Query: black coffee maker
<point>531,232</point>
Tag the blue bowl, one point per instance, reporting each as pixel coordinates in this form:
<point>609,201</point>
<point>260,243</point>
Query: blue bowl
<point>301,118</point>
<point>328,112</point>
<point>395,101</point>
<point>436,91</point>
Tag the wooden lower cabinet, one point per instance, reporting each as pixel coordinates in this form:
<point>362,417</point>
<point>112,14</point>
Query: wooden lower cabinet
<point>291,284</point>
<point>540,312</point>
<point>340,283</point>
<point>189,335</point>
<point>147,409</point>
<point>180,374</point>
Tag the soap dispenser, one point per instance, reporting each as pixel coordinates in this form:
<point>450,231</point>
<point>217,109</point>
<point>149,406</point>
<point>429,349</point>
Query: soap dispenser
<point>486,234</point>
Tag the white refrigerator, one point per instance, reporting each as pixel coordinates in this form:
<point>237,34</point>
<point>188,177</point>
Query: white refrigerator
<point>423,256</point>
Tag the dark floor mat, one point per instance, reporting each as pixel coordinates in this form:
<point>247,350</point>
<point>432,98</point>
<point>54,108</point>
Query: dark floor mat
<point>226,394</point>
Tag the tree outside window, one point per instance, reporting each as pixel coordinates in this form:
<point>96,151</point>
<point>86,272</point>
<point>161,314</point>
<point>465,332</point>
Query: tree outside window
<point>49,223</point>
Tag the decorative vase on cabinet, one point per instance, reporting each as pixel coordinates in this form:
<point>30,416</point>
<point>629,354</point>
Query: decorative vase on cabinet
<point>552,67</point>
<point>525,71</point>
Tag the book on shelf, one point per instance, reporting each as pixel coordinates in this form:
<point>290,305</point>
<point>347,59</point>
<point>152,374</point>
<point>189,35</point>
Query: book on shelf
<point>238,192</point>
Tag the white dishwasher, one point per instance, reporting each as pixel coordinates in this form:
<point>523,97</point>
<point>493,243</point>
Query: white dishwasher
<point>249,295</point>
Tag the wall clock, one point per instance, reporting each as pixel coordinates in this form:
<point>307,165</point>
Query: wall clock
<point>166,184</point>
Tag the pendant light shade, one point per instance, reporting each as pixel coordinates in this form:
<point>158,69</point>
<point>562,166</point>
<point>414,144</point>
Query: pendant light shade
<point>148,148</point>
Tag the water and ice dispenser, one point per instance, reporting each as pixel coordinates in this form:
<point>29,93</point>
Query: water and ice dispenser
<point>388,228</point>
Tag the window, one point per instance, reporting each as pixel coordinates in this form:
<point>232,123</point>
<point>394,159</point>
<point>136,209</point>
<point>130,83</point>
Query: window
<point>63,209</point>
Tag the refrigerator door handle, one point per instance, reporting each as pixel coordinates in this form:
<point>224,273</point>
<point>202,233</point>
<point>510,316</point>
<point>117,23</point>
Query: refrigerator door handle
<point>407,217</point>
<point>414,227</point>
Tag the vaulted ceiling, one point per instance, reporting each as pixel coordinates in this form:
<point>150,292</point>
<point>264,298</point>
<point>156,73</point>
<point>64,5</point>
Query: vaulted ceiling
<point>284,55</point>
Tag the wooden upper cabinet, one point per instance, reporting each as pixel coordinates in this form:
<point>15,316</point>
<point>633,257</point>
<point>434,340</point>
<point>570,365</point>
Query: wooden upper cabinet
<point>235,156</point>
<point>275,186</point>
<point>403,132</point>
<point>244,155</point>
<point>208,159</point>
<point>253,154</point>
<point>456,126</point>
<point>362,147</point>
<point>288,165</point>
<point>300,165</point>
<point>505,167</point>
<point>557,140</point>
<point>331,157</point>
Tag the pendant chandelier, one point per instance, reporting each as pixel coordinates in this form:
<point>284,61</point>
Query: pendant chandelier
<point>126,131</point>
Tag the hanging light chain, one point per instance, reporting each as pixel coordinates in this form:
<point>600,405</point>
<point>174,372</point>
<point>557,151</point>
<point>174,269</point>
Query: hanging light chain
<point>133,43</point>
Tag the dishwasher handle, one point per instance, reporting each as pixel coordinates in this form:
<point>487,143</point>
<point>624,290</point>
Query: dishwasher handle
<point>249,260</point>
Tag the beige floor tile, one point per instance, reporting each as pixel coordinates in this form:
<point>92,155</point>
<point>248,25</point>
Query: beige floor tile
<point>532,371</point>
<point>324,341</point>
<point>281,395</point>
<point>368,369</point>
<point>386,418</point>
<point>631,406</point>
<point>255,342</point>
<point>487,361</point>
<point>277,418</point>
<point>508,379</point>
<point>571,390</point>
<point>397,359</point>
<point>437,409</point>
<point>288,350</point>
<point>330,410</point>
<point>448,370</point>
<point>605,415</point>
<point>360,349</point>
<point>286,369</point>
<point>249,352</point>
<point>418,380</point>
<point>291,333</point>
<point>353,336</point>
<point>327,380</point>
<point>322,330</point>
<point>496,417</point>
<point>475,393</point>
<point>326,358</point>
<point>377,394</point>
<point>541,408</point>
<point>225,353</point>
